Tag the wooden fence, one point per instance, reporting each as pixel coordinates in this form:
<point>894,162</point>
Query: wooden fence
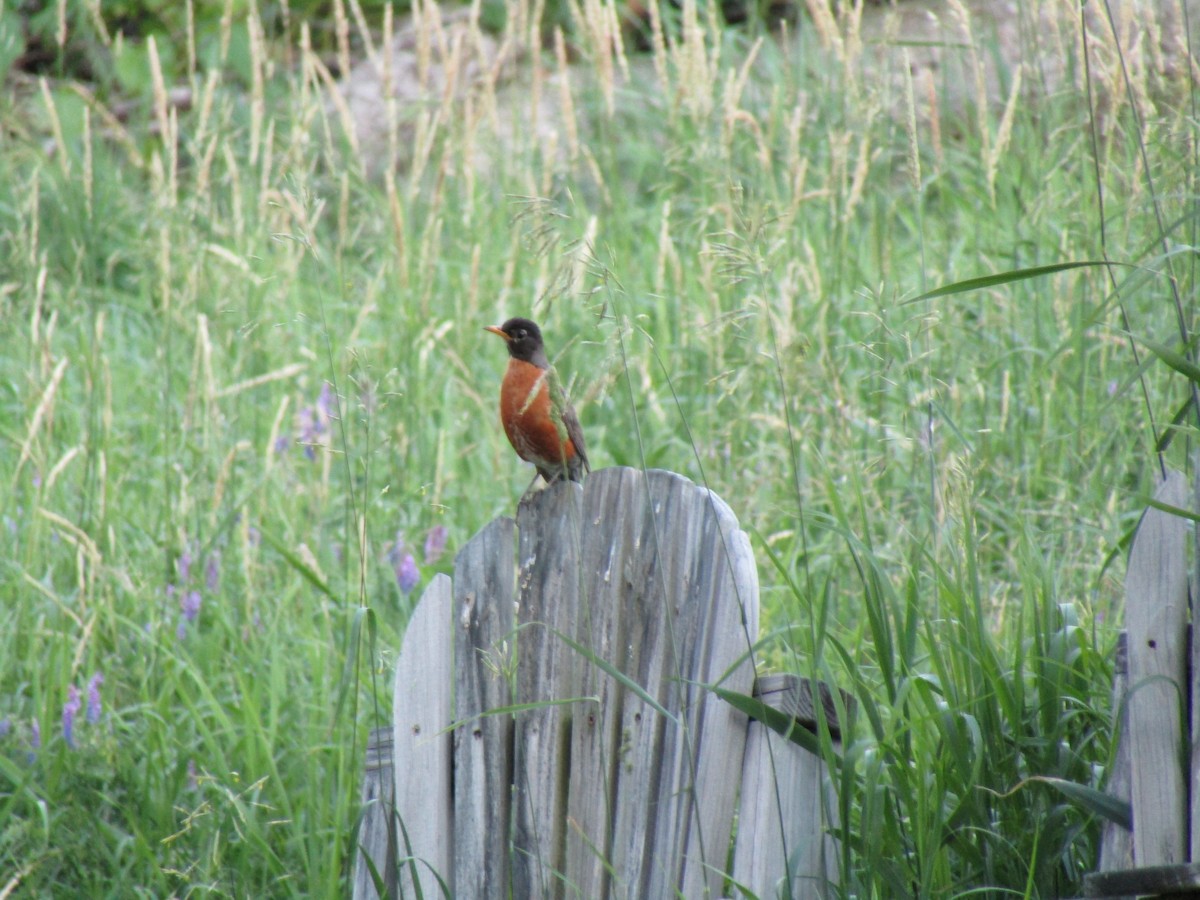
<point>1157,767</point>
<point>554,733</point>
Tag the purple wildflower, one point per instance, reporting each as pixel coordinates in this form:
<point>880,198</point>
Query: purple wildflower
<point>192,783</point>
<point>403,564</point>
<point>281,444</point>
<point>5,727</point>
<point>183,565</point>
<point>212,571</point>
<point>37,478</point>
<point>407,574</point>
<point>435,544</point>
<point>69,712</point>
<point>310,431</point>
<point>35,739</point>
<point>314,420</point>
<point>189,605</point>
<point>254,535</point>
<point>94,708</point>
<point>395,551</point>
<point>326,404</point>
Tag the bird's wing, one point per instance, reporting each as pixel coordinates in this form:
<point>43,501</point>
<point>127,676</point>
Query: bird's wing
<point>565,417</point>
<point>575,432</point>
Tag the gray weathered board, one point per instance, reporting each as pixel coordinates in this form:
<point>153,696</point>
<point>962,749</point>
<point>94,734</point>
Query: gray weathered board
<point>793,844</point>
<point>1150,694</point>
<point>587,757</point>
<point>376,837</point>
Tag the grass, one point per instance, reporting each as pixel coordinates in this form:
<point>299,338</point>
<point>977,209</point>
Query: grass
<point>939,490</point>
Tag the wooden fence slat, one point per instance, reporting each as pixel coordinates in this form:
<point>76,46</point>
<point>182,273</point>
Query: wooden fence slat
<point>613,501</point>
<point>672,502</point>
<point>1194,686</point>
<point>549,525</point>
<point>647,615</point>
<point>785,811</point>
<point>484,580</point>
<point>421,715</point>
<point>601,795</point>
<point>726,581</point>
<point>1116,842</point>
<point>1156,619</point>
<point>376,841</point>
<point>697,635</point>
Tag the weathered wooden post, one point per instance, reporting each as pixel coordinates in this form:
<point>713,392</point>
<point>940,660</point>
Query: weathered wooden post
<point>377,839</point>
<point>589,756</point>
<point>1154,761</point>
<point>786,842</point>
<point>484,650</point>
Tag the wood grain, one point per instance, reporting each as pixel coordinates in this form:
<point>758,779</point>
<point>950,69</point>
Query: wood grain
<point>725,580</point>
<point>421,717</point>
<point>613,570</point>
<point>783,848</point>
<point>548,554</point>
<point>484,580</point>
<point>376,841</point>
<point>1156,620</point>
<point>633,592</point>
<point>1116,841</point>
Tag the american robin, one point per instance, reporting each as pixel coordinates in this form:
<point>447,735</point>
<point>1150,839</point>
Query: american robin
<point>539,420</point>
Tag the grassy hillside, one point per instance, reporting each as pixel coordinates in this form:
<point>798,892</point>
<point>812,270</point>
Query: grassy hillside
<point>245,393</point>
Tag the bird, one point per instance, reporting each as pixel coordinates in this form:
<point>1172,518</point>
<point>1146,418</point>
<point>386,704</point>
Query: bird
<point>539,420</point>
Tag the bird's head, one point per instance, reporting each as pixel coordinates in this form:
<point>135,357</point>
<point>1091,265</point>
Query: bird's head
<point>524,339</point>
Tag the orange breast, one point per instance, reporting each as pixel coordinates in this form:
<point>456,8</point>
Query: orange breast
<point>525,410</point>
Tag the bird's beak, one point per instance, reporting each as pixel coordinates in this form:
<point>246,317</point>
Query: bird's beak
<point>496,329</point>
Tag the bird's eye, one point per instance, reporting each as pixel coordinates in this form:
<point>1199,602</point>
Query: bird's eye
<point>520,333</point>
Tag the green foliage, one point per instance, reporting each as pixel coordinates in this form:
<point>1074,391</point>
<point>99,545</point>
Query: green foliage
<point>71,39</point>
<point>243,363</point>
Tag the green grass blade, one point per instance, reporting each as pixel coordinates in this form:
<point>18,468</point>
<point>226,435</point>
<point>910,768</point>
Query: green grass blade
<point>1174,359</point>
<point>300,566</point>
<point>777,721</point>
<point>619,676</point>
<point>1090,799</point>
<point>986,281</point>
